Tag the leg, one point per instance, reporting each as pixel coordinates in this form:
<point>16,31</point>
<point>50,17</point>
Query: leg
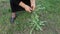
<point>13,8</point>
<point>13,16</point>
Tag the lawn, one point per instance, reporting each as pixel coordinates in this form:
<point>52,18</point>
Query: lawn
<point>51,14</point>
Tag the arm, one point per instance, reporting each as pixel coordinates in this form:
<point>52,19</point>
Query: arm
<point>32,1</point>
<point>22,4</point>
<point>26,7</point>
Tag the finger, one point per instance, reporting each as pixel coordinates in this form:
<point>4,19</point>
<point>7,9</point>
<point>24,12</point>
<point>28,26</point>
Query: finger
<point>30,11</point>
<point>33,8</point>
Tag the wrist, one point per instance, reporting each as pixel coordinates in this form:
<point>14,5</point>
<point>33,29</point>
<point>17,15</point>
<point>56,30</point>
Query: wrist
<point>25,6</point>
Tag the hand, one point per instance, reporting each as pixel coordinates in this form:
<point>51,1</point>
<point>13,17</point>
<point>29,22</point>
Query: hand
<point>33,6</point>
<point>28,8</point>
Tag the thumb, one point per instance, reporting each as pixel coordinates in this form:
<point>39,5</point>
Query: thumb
<point>31,9</point>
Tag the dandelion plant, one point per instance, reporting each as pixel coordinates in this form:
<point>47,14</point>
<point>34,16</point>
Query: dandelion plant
<point>36,23</point>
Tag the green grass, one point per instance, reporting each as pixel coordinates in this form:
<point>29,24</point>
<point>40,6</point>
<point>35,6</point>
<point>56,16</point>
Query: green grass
<point>51,14</point>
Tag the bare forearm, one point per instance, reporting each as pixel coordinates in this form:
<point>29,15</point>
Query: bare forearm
<point>22,4</point>
<point>32,1</point>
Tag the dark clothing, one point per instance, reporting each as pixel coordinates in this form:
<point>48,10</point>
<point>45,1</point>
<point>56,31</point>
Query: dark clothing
<point>15,5</point>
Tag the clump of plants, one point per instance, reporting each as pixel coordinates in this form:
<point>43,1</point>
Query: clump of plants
<point>35,22</point>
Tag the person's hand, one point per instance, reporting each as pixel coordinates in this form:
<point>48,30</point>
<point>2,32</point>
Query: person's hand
<point>33,5</point>
<point>28,8</point>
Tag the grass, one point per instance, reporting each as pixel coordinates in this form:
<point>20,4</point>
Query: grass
<point>51,14</point>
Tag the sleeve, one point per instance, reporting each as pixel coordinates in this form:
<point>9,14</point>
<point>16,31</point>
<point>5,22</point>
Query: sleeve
<point>18,1</point>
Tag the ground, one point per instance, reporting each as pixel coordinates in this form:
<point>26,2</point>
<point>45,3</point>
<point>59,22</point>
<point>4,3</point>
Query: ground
<point>51,14</point>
